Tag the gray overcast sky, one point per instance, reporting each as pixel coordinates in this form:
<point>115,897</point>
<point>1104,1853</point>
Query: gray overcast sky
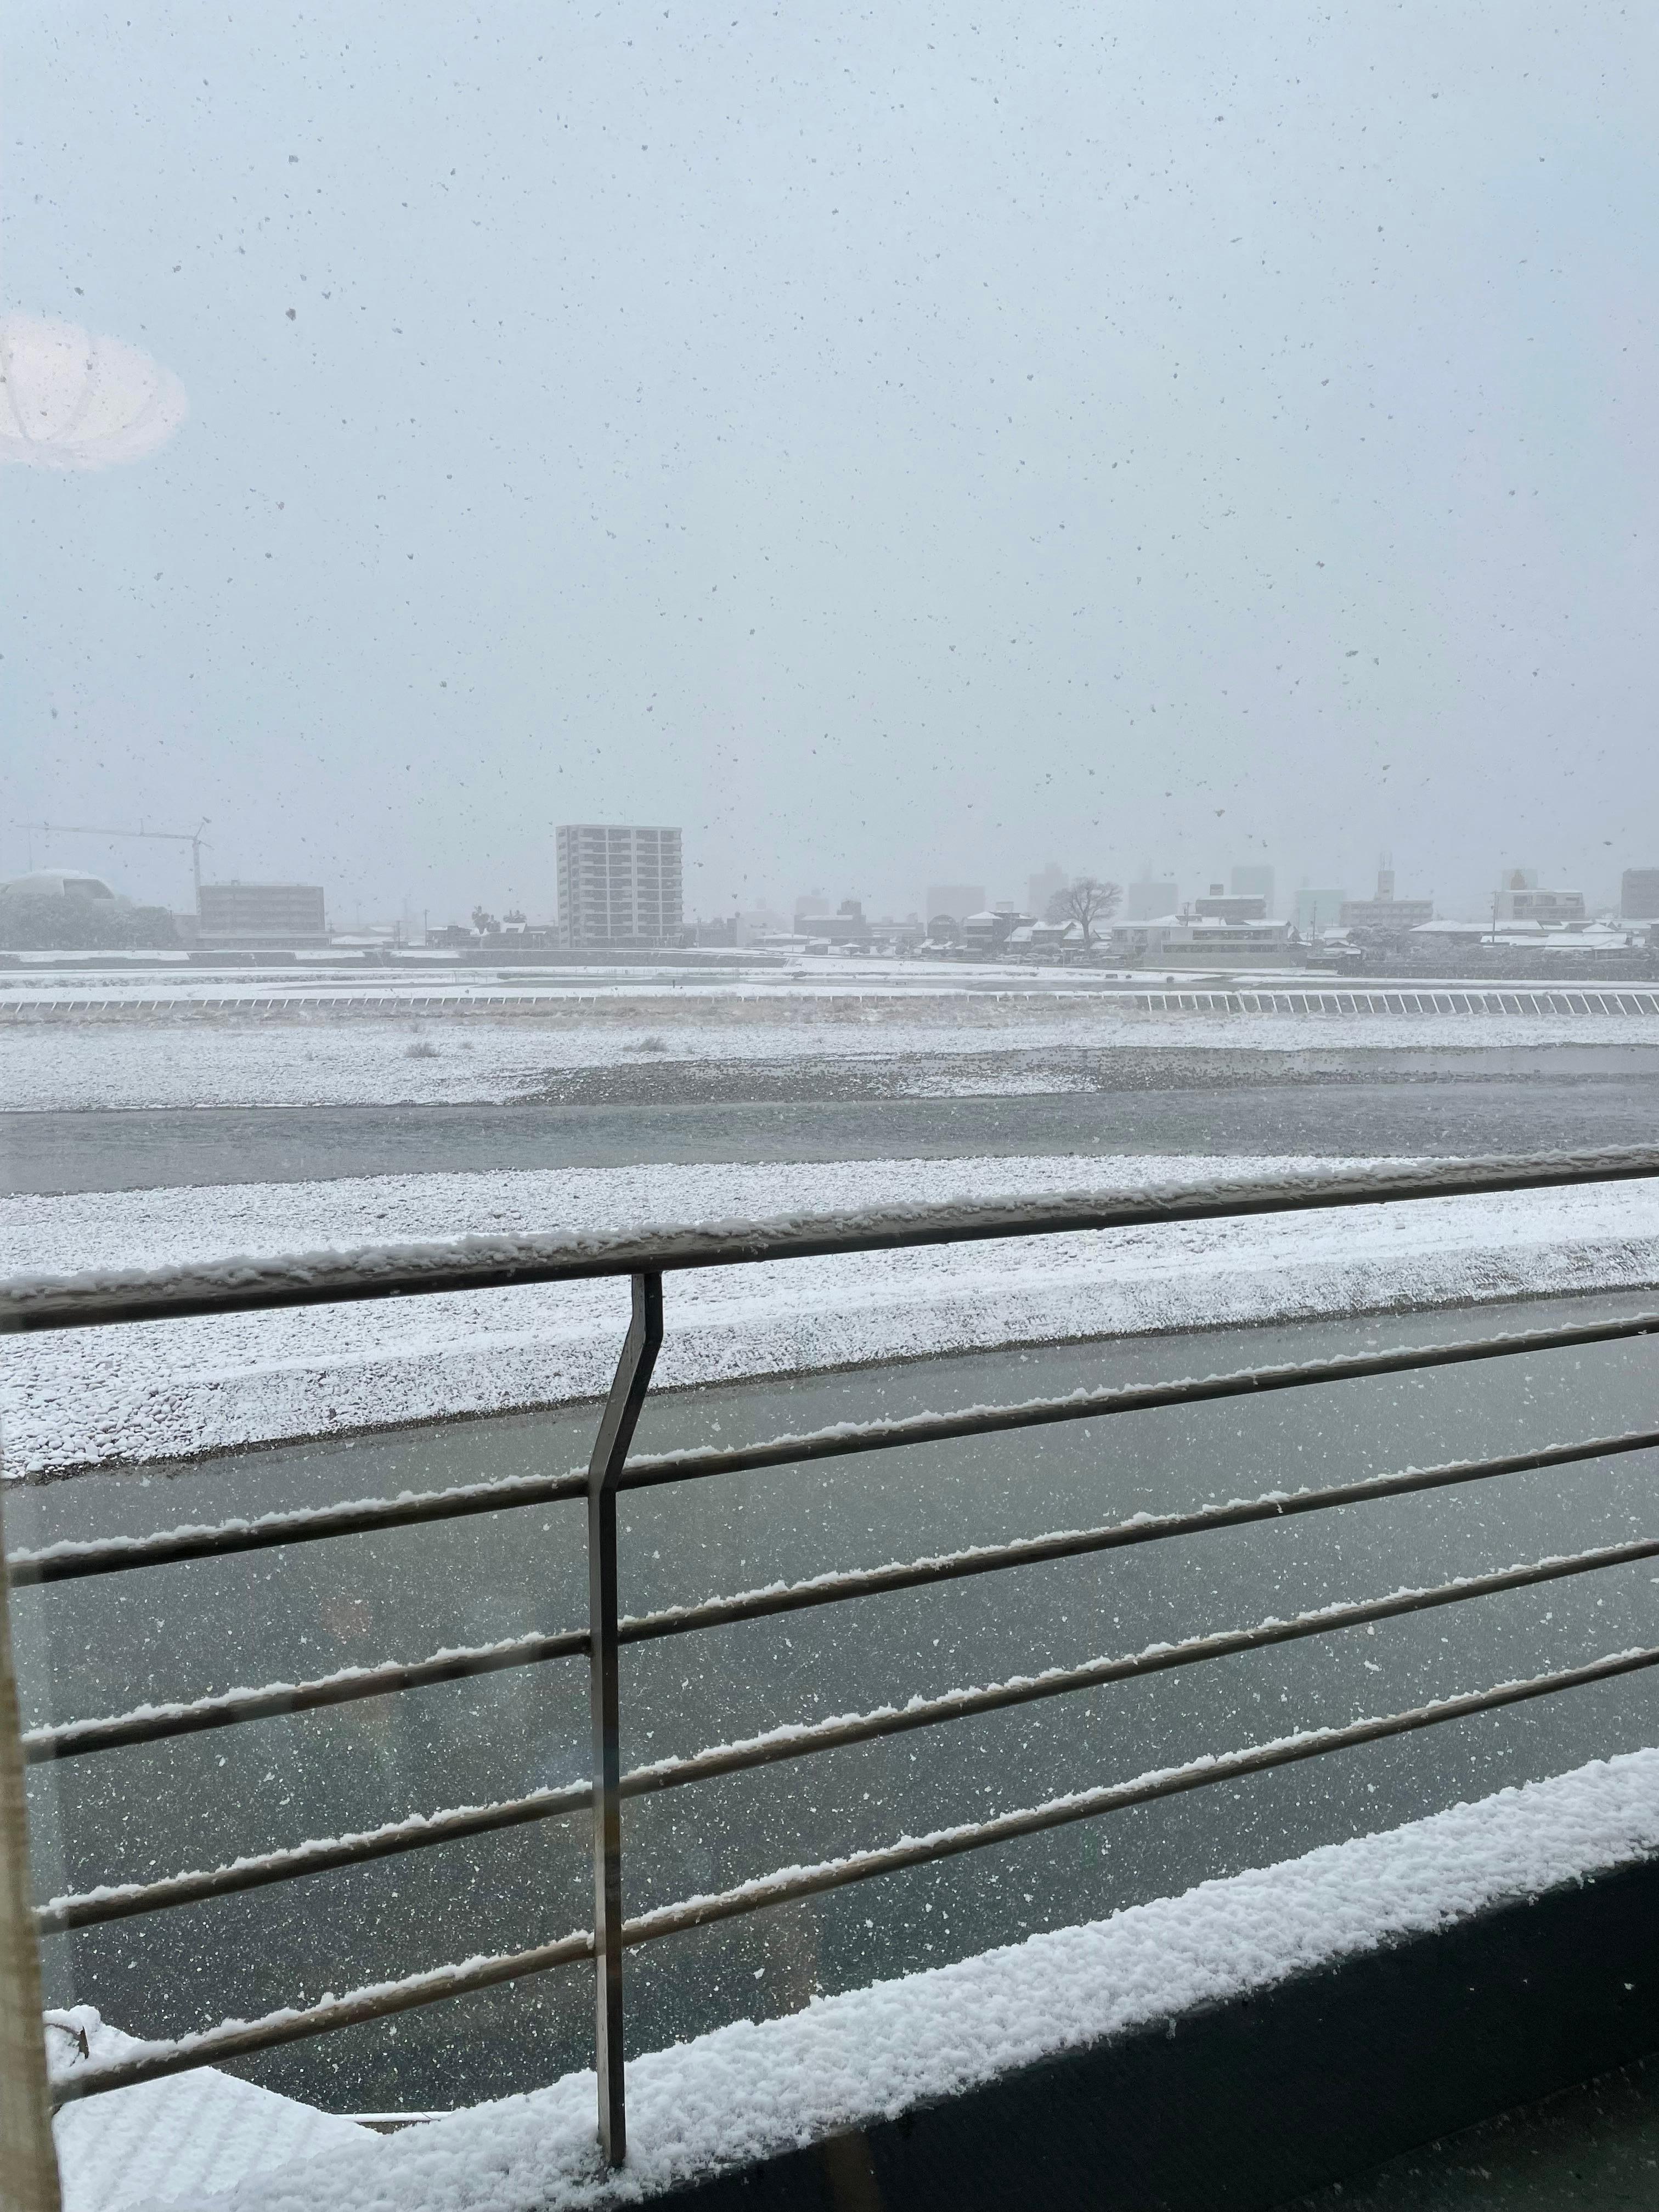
<point>896,446</point>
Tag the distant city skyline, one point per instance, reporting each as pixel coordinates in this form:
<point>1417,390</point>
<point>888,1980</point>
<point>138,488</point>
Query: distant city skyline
<point>164,878</point>
<point>1277,495</point>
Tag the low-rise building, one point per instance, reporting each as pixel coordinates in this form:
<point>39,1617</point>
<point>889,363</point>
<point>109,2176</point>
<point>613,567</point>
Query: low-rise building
<point>65,910</point>
<point>1200,940</point>
<point>1521,949</point>
<point>1522,898</point>
<point>990,930</point>
<point>846,926</point>
<point>1055,940</point>
<point>57,882</point>
<point>1384,915</point>
<point>784,940</point>
<point>1220,905</point>
<point>260,913</point>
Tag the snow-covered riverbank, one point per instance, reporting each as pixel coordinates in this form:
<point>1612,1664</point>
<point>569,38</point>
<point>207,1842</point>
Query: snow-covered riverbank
<point>411,1058</point>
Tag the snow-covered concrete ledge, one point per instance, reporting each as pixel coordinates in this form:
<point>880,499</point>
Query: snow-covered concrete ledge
<point>187,1388</point>
<point>1456,1897</point>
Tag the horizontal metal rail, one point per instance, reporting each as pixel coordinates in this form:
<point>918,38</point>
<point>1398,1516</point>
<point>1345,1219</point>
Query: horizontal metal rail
<point>837,1587</point>
<point>77,1558</point>
<point>807,1739</point>
<point>245,1285</point>
<point>788,1887</point>
<point>240,2038</point>
<point>154,1723</point>
<point>844,1730</point>
<point>321,1854</point>
<point>648,1473</point>
<point>73,1559</point>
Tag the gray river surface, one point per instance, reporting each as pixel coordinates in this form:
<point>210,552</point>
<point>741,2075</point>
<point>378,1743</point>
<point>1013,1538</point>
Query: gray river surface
<point>100,1646</point>
<point>127,1150</point>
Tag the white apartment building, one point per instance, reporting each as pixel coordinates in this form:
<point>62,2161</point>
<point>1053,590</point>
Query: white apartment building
<point>1521,899</point>
<point>618,885</point>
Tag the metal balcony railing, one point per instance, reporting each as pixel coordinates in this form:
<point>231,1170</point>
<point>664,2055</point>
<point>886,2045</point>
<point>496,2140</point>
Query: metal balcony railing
<point>478,1263</point>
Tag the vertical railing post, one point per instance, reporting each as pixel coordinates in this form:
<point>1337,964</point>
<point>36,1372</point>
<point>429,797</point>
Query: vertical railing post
<point>621,1414</point>
<point>29,2163</point>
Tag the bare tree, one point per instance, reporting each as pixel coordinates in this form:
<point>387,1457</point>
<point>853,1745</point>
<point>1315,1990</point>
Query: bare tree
<point>1088,901</point>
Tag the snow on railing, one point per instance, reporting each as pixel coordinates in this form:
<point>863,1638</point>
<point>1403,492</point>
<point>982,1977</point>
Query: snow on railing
<point>236,2038</point>
<point>319,1854</point>
<point>258,1283</point>
<point>246,1283</point>
<point>72,1559</point>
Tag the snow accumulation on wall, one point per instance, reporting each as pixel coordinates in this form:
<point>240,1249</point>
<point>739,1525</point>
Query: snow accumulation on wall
<point>753,2089</point>
<point>172,1389</point>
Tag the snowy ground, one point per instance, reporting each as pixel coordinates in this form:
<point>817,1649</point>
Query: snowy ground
<point>174,1388</point>
<point>424,1061</point>
<point>752,2090</point>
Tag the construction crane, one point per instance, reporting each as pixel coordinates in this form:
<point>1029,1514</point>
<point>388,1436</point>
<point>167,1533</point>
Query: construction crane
<point>191,837</point>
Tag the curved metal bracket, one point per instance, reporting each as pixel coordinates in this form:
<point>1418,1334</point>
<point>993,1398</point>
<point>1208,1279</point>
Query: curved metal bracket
<point>616,1426</point>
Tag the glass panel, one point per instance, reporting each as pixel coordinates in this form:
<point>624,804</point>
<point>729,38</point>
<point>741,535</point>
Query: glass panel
<point>627,621</point>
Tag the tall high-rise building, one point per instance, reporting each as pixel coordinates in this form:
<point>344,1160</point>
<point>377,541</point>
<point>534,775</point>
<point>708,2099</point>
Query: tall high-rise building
<point>1254,882</point>
<point>1317,909</point>
<point>1150,900</point>
<point>1639,895</point>
<point>1040,889</point>
<point>958,900</point>
<point>618,885</point>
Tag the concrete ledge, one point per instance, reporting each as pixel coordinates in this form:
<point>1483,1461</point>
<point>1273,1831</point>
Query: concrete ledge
<point>1221,2051</point>
<point>1243,2103</point>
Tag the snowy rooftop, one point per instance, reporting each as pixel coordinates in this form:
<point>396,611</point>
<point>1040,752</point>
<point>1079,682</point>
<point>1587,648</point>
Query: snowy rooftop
<point>1206,923</point>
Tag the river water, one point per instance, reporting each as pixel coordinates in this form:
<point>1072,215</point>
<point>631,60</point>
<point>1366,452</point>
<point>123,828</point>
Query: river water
<point>101,1646</point>
<point>1446,1103</point>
